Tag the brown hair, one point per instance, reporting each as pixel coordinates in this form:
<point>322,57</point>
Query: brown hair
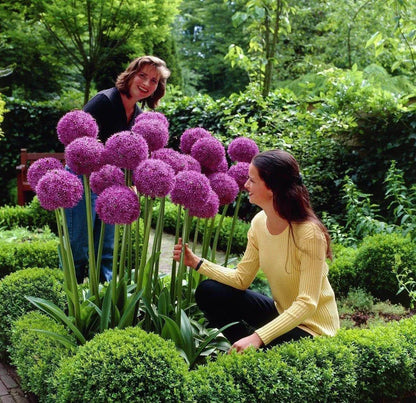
<point>280,172</point>
<point>124,79</point>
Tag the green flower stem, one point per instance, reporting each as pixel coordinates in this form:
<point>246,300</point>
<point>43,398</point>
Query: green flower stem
<point>100,249</point>
<point>91,254</point>
<point>173,269</point>
<point>217,232</point>
<point>128,230</point>
<point>157,243</point>
<point>147,226</point>
<point>137,252</point>
<point>122,261</point>
<point>195,242</point>
<point>64,259</point>
<point>206,240</point>
<point>181,271</point>
<point>71,269</point>
<point>231,235</point>
<point>115,260</point>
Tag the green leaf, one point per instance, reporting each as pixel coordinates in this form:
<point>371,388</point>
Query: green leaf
<point>64,340</point>
<point>127,315</point>
<point>106,309</point>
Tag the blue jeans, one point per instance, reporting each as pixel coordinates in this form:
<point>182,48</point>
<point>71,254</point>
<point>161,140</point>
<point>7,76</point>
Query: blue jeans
<point>78,234</point>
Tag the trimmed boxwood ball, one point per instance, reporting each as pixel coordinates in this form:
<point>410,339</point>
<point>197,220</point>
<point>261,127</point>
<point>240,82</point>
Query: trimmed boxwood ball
<point>37,355</point>
<point>35,282</point>
<point>122,365</point>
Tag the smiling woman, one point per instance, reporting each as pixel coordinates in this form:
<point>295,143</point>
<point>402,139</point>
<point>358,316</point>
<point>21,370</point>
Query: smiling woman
<point>115,110</point>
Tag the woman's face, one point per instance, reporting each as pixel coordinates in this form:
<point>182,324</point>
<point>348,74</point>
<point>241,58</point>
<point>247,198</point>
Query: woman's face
<point>144,83</point>
<point>258,192</point>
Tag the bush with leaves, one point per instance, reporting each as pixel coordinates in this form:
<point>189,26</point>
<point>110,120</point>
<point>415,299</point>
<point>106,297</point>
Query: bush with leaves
<point>376,261</point>
<point>36,354</point>
<point>43,283</point>
<point>122,365</point>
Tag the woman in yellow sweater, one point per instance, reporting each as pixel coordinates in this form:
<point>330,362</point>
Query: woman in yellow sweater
<point>290,244</point>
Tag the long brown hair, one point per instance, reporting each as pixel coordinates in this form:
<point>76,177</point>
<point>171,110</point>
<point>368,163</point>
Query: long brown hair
<point>280,172</point>
<point>124,79</point>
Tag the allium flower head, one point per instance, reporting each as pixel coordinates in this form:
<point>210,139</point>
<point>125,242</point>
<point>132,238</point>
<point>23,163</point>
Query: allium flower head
<point>207,210</point>
<point>190,190</point>
<point>76,124</point>
<point>108,175</point>
<point>40,167</point>
<point>59,188</point>
<point>153,115</point>
<point>239,172</point>
<point>209,152</point>
<point>221,167</point>
<point>193,164</point>
<point>224,186</point>
<point>118,205</point>
<point>154,178</point>
<point>172,157</point>
<point>125,150</point>
<point>190,136</point>
<point>154,131</point>
<point>242,149</point>
<point>83,155</point>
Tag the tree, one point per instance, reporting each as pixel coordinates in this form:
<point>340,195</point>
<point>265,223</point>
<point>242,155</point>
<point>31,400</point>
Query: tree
<point>89,31</point>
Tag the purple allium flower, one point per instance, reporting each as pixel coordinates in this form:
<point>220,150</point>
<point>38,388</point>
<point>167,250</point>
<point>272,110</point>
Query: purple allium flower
<point>209,152</point>
<point>190,136</point>
<point>224,186</point>
<point>76,124</point>
<point>59,188</point>
<point>172,157</point>
<point>239,172</point>
<point>118,205</point>
<point>221,167</point>
<point>107,176</point>
<point>153,115</point>
<point>207,210</point>
<point>83,155</point>
<point>193,164</point>
<point>125,150</point>
<point>242,149</point>
<point>154,178</point>
<point>190,190</point>
<point>40,167</point>
<point>154,131</point>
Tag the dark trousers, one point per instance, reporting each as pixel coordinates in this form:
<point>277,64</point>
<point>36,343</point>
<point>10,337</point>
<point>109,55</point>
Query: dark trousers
<point>222,304</point>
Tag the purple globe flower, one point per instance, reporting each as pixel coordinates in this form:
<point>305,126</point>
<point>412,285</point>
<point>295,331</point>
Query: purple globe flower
<point>172,157</point>
<point>107,176</point>
<point>83,155</point>
<point>224,186</point>
<point>76,124</point>
<point>193,164</point>
<point>125,150</point>
<point>221,167</point>
<point>59,188</point>
<point>207,210</point>
<point>154,178</point>
<point>154,131</point>
<point>40,167</point>
<point>190,136</point>
<point>118,205</point>
<point>209,152</point>
<point>239,172</point>
<point>242,149</point>
<point>153,115</point>
<point>190,190</point>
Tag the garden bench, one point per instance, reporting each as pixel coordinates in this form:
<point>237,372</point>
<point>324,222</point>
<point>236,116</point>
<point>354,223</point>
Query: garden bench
<point>26,159</point>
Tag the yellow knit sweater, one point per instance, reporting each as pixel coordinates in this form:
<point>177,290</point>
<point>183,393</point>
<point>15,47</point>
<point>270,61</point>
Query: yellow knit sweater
<point>294,264</point>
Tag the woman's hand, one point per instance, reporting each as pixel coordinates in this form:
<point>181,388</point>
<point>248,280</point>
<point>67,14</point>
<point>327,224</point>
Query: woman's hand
<point>189,258</point>
<point>252,340</point>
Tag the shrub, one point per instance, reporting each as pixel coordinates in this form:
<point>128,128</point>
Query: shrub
<point>43,283</point>
<point>122,365</point>
<point>37,355</point>
<point>383,364</point>
<point>376,258</point>
<point>18,256</point>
